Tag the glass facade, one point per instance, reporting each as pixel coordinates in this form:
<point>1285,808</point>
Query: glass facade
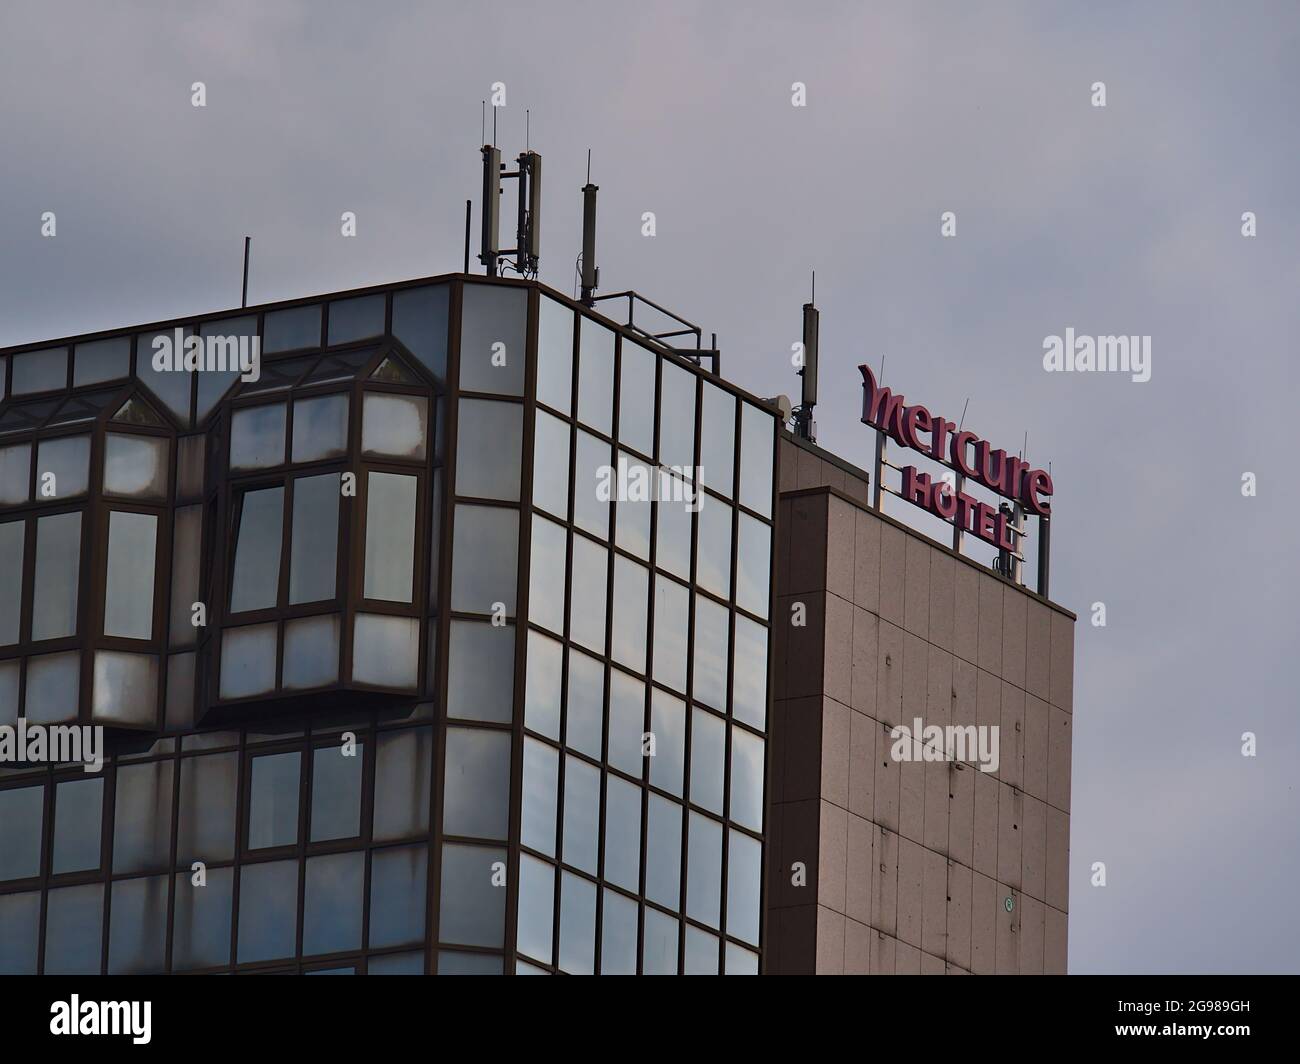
<point>439,644</point>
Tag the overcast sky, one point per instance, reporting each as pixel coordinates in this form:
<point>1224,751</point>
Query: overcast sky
<point>1117,220</point>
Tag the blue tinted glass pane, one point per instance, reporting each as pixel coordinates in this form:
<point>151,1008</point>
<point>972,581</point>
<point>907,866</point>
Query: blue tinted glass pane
<point>473,895</point>
<point>663,852</point>
<point>137,934</point>
<point>206,830</point>
<point>336,791</point>
<point>143,817</point>
<point>201,928</point>
<point>268,910</point>
<point>78,814</point>
<point>273,801</point>
<point>757,438</point>
<point>577,925</point>
<point>636,398</point>
<point>581,814</point>
<point>40,371</point>
<point>397,964</point>
<point>398,895</point>
<point>256,581</point>
<point>74,928</point>
<point>356,319</point>
<point>541,781</point>
<point>332,903</point>
<point>288,330</point>
<point>596,376</point>
<point>585,708</point>
<point>617,935</point>
<point>159,363</point>
<point>708,742</point>
<point>450,963</point>
<point>746,779</point>
<point>21,818</point>
<point>668,726</point>
<point>740,961</point>
<point>744,879</point>
<point>704,869</point>
<point>20,924</point>
<point>659,953</point>
<point>536,908</point>
<point>420,322</point>
<point>555,355</point>
<point>492,332</point>
<point>477,792</point>
<point>102,360</point>
<point>701,952</point>
<point>622,833</point>
<point>403,770</point>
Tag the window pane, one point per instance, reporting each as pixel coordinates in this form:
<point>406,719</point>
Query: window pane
<point>740,961</point>
<point>288,330</point>
<point>577,925</point>
<point>622,833</point>
<point>481,671</point>
<point>420,322</point>
<point>677,418</point>
<point>617,934</point>
<point>15,474</point>
<point>485,564</point>
<point>492,331</point>
<point>541,784</point>
<point>135,465</point>
<point>142,817</point>
<point>717,439</point>
<point>636,398</point>
<point>546,575</point>
<point>746,779</point>
<point>626,722</point>
<point>668,726</point>
<point>663,856</point>
<point>551,465</point>
<point>713,561</point>
<point>312,552</point>
<point>20,916</point>
<point>273,800</point>
<point>187,538</point>
<point>74,929</point>
<point>704,869</point>
<point>62,467</point>
<point>633,512</point>
<point>356,319</point>
<point>710,653</point>
<point>332,903</point>
<point>757,438</point>
<point>749,673</point>
<point>336,791</point>
<point>396,963</point>
<point>744,876</point>
<point>390,536</point>
<point>403,773</point>
<point>581,814</point>
<point>311,652</point>
<point>22,816</point>
<point>489,441</point>
<point>102,360</point>
<point>11,580</point>
<point>137,934</point>
<point>536,907</point>
<point>753,565</point>
<point>191,452</point>
<point>394,425</point>
<point>268,911</point>
<point>450,963</point>
<point>257,436</point>
<point>542,693</point>
<point>386,650</point>
<point>673,547</point>
<point>170,382</point>
<point>9,691</point>
<point>593,485</point>
<point>255,584</point>
<point>585,707</point>
<point>670,633</point>
<point>587,608</point>
<point>554,357</point>
<point>659,953</point>
<point>320,427</point>
<point>398,894</point>
<point>125,689</point>
<point>129,575</point>
<point>201,927</point>
<point>58,562</point>
<point>52,687</point>
<point>476,797</point>
<point>40,371</point>
<point>247,660</point>
<point>701,952</point>
<point>472,906</point>
<point>596,376</point>
<point>708,750</point>
<point>206,829</point>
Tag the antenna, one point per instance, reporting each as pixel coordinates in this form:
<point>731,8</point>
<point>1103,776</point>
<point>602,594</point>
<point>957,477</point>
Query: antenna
<point>590,274</point>
<point>248,241</point>
<point>490,249</point>
<point>803,422</point>
<point>467,215</point>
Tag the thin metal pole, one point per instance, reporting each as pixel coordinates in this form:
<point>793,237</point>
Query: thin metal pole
<point>243,302</point>
<point>467,213</point>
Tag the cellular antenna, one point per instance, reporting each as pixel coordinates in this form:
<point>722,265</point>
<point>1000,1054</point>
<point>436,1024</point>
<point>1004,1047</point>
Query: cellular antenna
<point>804,426</point>
<point>590,272</point>
<point>248,241</point>
<point>528,213</point>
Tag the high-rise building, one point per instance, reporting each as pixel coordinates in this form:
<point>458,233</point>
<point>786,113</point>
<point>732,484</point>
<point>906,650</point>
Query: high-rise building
<point>446,626</point>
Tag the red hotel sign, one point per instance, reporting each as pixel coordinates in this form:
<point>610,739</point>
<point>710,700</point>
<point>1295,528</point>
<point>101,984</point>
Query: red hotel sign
<point>995,469</point>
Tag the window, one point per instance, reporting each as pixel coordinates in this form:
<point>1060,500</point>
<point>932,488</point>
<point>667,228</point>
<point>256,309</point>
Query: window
<point>257,437</point>
<point>320,428</point>
<point>58,561</point>
<point>273,800</point>
<point>394,425</point>
<point>135,465</point>
<point>677,418</point>
<point>313,545</point>
<point>757,438</point>
<point>489,443</point>
<point>256,580</point>
<point>596,376</point>
<point>636,398</point>
<point>492,339</point>
<point>129,578</point>
<point>390,537</point>
<point>555,356</point>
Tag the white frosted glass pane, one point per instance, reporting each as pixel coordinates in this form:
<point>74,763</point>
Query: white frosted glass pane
<point>311,651</point>
<point>488,446</point>
<point>62,467</point>
<point>493,327</point>
<point>484,559</point>
<point>390,537</point>
<point>394,425</point>
<point>135,465</point>
<point>247,661</point>
<point>386,650</point>
<point>125,688</point>
<point>257,437</point>
<point>129,579</point>
<point>15,474</point>
<point>52,687</point>
<point>320,427</point>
